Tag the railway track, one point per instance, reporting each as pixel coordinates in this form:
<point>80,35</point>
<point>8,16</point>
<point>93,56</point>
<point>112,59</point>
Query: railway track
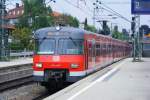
<point>27,91</point>
<point>13,76</point>
<point>33,89</point>
<point>48,93</point>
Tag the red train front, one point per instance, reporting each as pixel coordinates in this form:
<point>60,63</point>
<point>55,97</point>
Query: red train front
<point>59,55</point>
<point>67,54</point>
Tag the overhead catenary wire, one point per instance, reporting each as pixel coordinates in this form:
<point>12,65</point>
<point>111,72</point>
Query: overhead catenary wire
<point>77,7</point>
<point>116,13</point>
<point>114,2</point>
<point>110,10</point>
<point>118,3</point>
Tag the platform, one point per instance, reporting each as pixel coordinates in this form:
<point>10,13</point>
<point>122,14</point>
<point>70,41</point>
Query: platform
<point>125,80</point>
<point>20,61</point>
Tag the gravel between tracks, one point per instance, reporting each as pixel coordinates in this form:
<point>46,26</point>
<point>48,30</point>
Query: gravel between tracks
<point>27,92</point>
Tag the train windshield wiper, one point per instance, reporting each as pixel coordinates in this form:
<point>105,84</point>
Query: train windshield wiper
<point>73,41</point>
<point>40,41</point>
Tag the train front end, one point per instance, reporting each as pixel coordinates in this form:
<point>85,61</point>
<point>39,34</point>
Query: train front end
<point>59,55</point>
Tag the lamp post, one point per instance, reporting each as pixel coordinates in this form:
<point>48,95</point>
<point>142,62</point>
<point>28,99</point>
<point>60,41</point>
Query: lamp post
<point>2,47</point>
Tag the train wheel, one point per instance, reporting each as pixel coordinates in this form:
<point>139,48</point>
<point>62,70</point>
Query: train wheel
<point>54,85</point>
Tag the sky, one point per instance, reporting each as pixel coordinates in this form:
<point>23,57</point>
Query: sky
<point>85,10</point>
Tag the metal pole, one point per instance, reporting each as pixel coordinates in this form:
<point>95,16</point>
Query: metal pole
<point>2,31</point>
<point>134,46</point>
<point>137,44</point>
<point>138,39</point>
<point>133,25</point>
<point>94,17</point>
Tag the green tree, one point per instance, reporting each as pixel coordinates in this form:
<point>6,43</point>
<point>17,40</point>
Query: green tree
<point>66,19</point>
<point>89,27</point>
<point>23,22</point>
<point>70,20</point>
<point>116,34</point>
<point>36,14</point>
<point>22,38</point>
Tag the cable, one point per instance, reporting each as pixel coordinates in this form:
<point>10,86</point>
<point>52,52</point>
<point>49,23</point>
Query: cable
<point>112,11</point>
<point>116,13</point>
<point>123,3</point>
<point>77,7</point>
<point>115,2</point>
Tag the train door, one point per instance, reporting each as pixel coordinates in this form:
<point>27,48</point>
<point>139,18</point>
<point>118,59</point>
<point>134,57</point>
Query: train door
<point>114,50</point>
<point>86,53</point>
<point>91,53</point>
<point>101,50</point>
<point>107,59</point>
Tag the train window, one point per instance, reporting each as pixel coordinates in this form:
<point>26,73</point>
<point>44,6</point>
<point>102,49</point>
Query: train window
<point>70,46</point>
<point>46,46</point>
<point>97,49</point>
<point>90,50</point>
<point>109,48</point>
<point>103,49</point>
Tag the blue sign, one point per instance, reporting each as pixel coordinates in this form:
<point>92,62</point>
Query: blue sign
<point>140,7</point>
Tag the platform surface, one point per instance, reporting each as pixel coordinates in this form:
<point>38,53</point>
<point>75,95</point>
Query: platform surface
<point>15,62</point>
<point>127,80</point>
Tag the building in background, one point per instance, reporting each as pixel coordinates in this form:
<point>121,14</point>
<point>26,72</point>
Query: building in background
<point>14,14</point>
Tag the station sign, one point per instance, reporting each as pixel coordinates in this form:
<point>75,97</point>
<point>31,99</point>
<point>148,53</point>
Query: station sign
<point>140,7</point>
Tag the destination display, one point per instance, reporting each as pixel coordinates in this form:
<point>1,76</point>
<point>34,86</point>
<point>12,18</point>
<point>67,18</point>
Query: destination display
<point>140,7</point>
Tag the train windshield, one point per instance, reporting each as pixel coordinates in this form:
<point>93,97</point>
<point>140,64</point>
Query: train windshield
<point>46,46</point>
<point>70,46</point>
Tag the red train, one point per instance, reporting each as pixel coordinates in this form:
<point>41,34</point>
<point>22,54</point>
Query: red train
<point>68,54</point>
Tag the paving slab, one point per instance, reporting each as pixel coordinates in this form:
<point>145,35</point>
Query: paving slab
<point>20,61</point>
<point>127,80</point>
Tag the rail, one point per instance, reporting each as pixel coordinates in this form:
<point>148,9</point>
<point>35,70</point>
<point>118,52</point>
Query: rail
<point>15,75</point>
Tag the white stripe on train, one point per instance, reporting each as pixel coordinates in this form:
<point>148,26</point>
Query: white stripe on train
<point>38,73</point>
<point>74,73</point>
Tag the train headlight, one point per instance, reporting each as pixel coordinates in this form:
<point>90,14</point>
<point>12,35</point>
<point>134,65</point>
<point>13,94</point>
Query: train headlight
<point>74,65</point>
<point>38,65</point>
<point>58,28</point>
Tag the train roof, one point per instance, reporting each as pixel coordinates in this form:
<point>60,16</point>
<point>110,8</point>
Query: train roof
<point>75,32</point>
<point>65,31</point>
<point>71,30</point>
<point>62,29</point>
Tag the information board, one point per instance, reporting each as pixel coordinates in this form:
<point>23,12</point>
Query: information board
<point>140,7</point>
